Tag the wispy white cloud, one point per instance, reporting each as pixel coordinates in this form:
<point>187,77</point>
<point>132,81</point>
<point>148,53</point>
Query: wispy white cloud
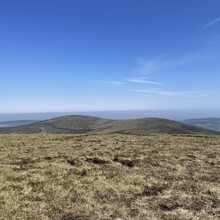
<point>147,67</point>
<point>139,80</point>
<point>160,92</point>
<point>116,83</point>
<point>160,65</point>
<point>210,24</point>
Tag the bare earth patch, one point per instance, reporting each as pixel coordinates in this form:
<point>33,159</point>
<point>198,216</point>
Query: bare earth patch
<point>118,177</point>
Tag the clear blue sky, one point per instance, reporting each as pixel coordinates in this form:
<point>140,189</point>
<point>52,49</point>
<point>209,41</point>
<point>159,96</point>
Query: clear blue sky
<point>89,55</point>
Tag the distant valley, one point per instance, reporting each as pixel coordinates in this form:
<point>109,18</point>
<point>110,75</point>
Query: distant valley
<point>209,123</point>
<point>7,124</point>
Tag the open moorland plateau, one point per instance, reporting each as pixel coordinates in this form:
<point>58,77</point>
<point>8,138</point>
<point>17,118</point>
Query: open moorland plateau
<point>113,176</point>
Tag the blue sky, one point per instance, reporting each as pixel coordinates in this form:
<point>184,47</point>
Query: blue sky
<point>83,55</point>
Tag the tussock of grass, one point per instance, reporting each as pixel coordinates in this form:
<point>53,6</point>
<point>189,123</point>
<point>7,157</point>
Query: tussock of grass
<point>83,177</point>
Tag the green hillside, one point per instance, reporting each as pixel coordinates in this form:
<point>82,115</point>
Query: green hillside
<point>63,125</point>
<point>78,124</point>
<point>150,125</point>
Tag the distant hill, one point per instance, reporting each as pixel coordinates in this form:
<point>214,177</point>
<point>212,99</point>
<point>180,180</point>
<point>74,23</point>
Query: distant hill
<point>210,123</point>
<point>78,124</point>
<point>61,125</point>
<point>7,124</point>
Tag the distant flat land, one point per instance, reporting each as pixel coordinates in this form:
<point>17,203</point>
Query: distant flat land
<point>86,177</point>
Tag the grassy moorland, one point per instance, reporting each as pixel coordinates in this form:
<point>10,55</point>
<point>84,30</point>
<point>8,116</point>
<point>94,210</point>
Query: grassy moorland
<point>123,177</point>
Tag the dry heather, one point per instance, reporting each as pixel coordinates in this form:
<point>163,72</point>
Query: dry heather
<point>84,177</point>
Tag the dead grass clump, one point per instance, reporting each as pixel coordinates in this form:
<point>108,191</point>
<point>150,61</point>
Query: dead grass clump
<point>194,203</point>
<point>124,162</point>
<point>72,162</point>
<point>154,190</point>
<point>77,198</point>
<point>72,216</point>
<point>77,171</point>
<point>214,198</point>
<point>212,177</point>
<point>173,217</point>
<point>169,204</point>
<point>36,186</point>
<point>22,162</point>
<point>48,158</point>
<point>96,160</point>
<point>189,186</point>
<point>107,195</point>
<point>197,203</point>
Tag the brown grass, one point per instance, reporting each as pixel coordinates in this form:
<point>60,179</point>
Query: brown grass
<point>119,177</point>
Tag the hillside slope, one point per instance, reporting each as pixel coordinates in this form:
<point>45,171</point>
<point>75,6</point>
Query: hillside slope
<point>150,126</point>
<point>92,125</point>
<point>210,123</point>
<point>75,124</point>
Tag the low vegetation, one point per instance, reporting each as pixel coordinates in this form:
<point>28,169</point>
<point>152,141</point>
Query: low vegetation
<point>118,177</point>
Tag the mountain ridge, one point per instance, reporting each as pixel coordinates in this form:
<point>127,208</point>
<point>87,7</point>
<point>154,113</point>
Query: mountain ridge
<point>80,124</point>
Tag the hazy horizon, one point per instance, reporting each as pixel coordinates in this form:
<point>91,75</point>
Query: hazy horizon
<point>178,115</point>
